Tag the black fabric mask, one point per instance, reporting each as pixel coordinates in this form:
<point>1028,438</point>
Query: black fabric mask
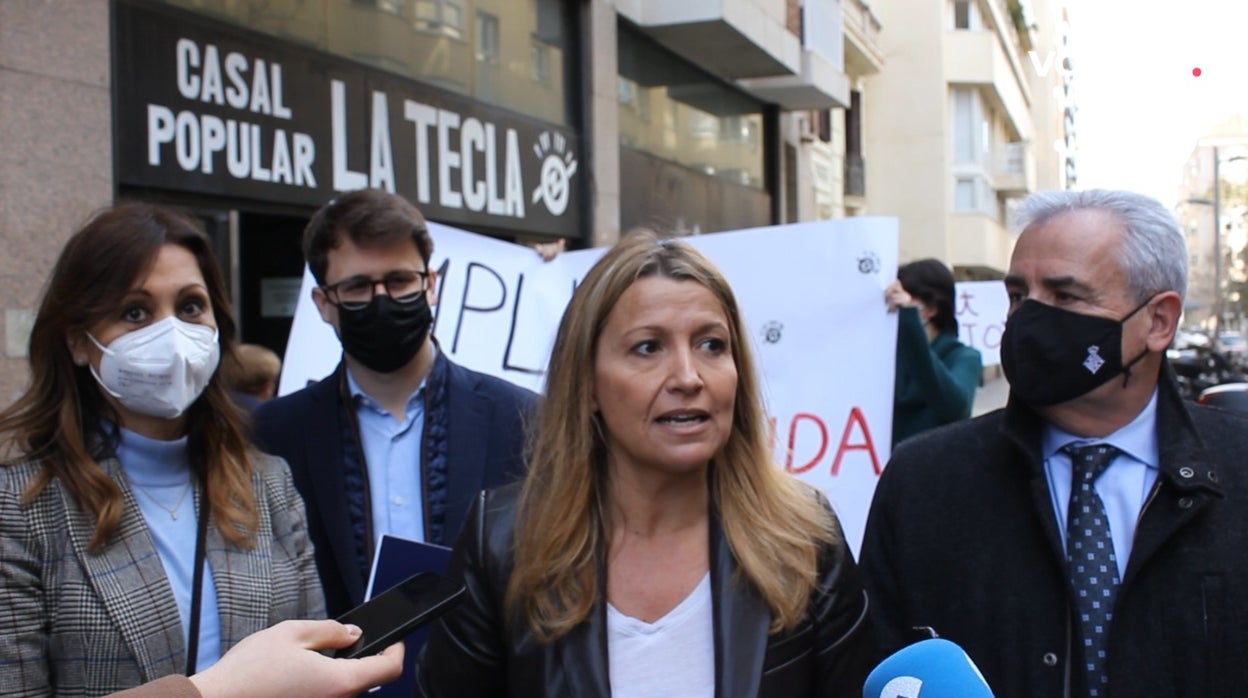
<point>1051,355</point>
<point>385,334</point>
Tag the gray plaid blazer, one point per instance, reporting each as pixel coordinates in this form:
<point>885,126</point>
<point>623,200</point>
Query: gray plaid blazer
<point>74,623</point>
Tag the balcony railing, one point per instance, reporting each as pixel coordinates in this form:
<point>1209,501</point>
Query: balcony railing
<point>858,16</point>
<point>1016,169</point>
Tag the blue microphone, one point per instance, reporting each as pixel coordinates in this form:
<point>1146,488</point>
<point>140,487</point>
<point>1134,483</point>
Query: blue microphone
<point>928,669</point>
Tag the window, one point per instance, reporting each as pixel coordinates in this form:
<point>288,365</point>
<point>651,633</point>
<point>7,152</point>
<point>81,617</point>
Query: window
<point>985,140</point>
<point>853,124</point>
<point>445,43</point>
<point>966,15</point>
<point>964,194</point>
<point>703,126</point>
<point>394,7</point>
<point>539,62</point>
<point>825,125</point>
<point>453,15</point>
<point>672,111</point>
<point>736,129</point>
<point>964,131</point>
<point>972,128</point>
<point>973,194</point>
<point>626,91</point>
<point>487,37</point>
<point>440,16</point>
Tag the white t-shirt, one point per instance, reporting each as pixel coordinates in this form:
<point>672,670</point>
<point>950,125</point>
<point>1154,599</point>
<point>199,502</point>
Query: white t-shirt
<point>673,657</point>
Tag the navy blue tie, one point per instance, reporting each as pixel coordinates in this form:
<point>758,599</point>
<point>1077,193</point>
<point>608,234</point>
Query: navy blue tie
<point>1093,565</point>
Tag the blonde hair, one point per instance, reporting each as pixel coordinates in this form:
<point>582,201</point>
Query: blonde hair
<point>774,525</point>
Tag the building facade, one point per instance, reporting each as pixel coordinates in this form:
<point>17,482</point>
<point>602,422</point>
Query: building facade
<point>971,111</point>
<point>1212,208</point>
<point>521,119</point>
<point>828,144</point>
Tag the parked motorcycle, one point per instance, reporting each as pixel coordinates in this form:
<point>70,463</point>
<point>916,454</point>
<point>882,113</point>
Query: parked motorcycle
<point>1200,368</point>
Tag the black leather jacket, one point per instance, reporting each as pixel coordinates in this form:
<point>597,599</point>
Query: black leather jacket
<point>472,653</point>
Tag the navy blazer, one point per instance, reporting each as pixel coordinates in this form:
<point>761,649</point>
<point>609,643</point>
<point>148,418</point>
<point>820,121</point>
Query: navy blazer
<point>486,444</point>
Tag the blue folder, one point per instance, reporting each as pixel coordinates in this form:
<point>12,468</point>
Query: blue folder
<point>397,559</point>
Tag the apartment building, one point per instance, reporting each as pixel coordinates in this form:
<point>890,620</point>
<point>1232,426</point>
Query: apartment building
<point>521,119</point>
<point>827,144</point>
<point>1212,208</point>
<point>972,110</point>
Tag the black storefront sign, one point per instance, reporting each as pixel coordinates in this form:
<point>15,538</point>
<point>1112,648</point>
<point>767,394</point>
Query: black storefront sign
<point>205,107</point>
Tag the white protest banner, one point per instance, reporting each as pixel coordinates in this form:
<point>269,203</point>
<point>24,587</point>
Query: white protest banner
<point>981,308</point>
<point>812,296</point>
<point>498,307</point>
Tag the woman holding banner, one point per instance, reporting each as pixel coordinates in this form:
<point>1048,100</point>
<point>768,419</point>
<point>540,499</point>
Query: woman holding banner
<point>936,374</point>
<point>654,547</point>
<point>140,534</point>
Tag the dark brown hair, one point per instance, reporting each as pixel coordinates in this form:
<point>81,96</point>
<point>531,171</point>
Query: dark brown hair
<point>62,417</point>
<point>930,281</point>
<point>370,218</point>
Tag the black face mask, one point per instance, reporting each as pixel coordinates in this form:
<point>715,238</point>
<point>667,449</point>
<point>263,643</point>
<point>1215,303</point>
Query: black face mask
<point>385,334</point>
<point>1051,355</point>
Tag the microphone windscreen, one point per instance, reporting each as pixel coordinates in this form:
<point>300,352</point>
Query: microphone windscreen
<point>929,669</point>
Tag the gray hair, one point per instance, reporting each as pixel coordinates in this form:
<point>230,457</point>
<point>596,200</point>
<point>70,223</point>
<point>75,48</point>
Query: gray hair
<point>1153,252</point>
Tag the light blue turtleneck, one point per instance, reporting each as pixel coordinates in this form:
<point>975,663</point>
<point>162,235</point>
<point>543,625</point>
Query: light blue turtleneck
<point>160,480</point>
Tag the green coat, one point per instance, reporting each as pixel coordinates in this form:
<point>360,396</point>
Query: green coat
<point>935,382</point>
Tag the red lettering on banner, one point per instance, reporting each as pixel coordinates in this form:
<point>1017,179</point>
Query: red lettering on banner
<point>856,417</point>
<point>868,445</point>
<point>823,442</point>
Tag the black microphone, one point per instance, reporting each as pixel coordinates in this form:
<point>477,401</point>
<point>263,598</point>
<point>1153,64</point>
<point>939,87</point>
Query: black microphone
<point>928,669</point>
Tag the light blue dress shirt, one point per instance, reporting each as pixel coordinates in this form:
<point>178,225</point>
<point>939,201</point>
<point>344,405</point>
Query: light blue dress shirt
<point>160,480</point>
<point>1123,487</point>
<point>392,458</point>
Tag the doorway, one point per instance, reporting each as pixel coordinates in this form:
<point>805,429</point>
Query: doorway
<point>270,270</point>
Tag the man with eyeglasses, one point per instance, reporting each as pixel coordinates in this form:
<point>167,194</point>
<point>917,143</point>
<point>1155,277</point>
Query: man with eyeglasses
<point>398,439</point>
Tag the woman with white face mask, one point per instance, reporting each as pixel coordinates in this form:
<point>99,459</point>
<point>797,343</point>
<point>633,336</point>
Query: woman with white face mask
<point>140,535</point>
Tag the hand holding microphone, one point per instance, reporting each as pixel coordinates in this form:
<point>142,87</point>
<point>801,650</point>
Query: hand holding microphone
<point>928,669</point>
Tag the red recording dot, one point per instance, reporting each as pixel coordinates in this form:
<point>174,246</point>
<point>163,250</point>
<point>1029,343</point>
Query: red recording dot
<point>1196,72</point>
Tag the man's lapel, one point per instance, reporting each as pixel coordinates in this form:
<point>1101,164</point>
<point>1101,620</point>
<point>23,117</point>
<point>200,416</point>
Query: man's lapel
<point>467,443</point>
<point>329,420</point>
<point>1184,486</point>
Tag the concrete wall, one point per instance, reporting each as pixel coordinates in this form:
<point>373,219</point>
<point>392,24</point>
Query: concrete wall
<point>603,129</point>
<point>56,164</point>
<point>907,127</point>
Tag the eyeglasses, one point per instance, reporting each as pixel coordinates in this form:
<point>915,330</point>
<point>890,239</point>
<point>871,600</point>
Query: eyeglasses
<point>357,291</point>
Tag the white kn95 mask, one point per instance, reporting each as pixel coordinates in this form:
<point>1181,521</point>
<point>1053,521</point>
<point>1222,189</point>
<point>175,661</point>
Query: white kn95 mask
<point>161,369</point>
